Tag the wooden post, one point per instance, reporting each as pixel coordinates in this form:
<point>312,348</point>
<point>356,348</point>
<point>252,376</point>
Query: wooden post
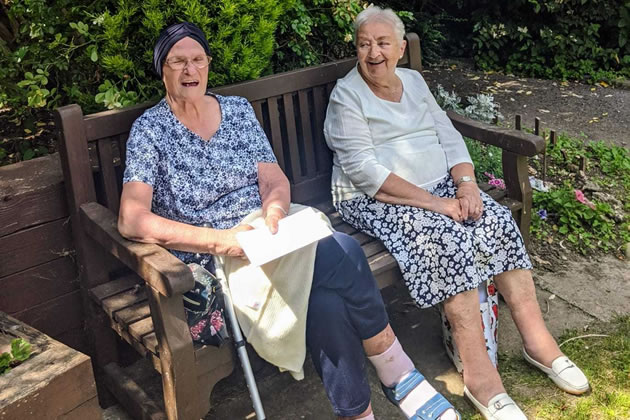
<point>582,163</point>
<point>80,189</point>
<point>537,126</point>
<point>553,138</point>
<point>517,121</point>
<point>517,183</point>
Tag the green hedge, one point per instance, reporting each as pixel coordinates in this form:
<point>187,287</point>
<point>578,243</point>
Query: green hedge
<point>99,53</point>
<point>569,39</point>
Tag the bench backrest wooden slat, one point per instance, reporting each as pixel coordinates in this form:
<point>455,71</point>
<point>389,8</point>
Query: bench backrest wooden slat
<point>107,177</point>
<point>306,133</point>
<point>291,108</point>
<point>275,132</point>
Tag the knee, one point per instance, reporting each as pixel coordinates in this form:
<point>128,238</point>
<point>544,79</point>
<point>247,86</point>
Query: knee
<point>348,245</point>
<point>462,308</point>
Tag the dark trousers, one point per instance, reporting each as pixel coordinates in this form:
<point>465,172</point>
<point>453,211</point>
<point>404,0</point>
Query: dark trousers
<point>345,308</point>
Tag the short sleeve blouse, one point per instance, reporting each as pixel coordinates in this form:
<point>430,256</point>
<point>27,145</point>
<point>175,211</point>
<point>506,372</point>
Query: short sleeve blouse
<point>195,181</point>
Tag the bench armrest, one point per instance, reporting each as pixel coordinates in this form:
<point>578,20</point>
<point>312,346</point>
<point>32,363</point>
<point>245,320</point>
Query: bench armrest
<point>158,267</point>
<point>511,140</point>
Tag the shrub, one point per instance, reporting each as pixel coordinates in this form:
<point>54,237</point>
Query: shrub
<point>43,56</point>
<point>575,39</point>
<point>99,53</point>
<point>317,31</point>
<point>487,158</point>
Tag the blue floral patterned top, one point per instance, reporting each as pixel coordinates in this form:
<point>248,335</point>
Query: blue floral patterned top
<point>199,182</point>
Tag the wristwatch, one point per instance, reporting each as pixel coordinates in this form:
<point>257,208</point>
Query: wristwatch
<point>465,178</point>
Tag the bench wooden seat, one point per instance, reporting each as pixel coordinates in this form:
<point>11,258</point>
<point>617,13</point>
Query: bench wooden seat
<point>132,291</point>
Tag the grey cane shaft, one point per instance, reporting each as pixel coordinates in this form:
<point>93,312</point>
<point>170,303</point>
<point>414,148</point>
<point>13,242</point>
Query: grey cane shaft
<point>242,354</point>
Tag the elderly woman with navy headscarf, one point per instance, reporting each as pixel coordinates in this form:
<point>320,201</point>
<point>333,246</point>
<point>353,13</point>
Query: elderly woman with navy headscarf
<point>197,164</point>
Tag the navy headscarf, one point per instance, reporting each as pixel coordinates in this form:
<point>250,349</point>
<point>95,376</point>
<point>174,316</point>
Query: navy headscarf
<point>169,37</point>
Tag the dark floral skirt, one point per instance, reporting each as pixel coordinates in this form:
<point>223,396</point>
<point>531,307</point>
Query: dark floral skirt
<point>439,257</point>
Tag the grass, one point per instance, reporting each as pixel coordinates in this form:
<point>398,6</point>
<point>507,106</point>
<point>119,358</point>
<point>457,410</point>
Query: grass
<point>606,362</point>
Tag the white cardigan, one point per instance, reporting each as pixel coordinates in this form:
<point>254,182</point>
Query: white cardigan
<point>371,137</point>
<point>271,301</point>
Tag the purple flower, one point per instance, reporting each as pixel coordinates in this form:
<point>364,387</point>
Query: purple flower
<point>542,213</point>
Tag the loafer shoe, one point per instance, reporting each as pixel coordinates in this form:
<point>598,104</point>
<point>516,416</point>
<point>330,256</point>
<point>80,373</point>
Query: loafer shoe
<point>563,373</point>
<point>500,407</point>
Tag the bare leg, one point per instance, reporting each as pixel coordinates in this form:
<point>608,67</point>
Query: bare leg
<point>480,376</point>
<point>517,287</point>
<point>380,342</point>
<point>366,413</point>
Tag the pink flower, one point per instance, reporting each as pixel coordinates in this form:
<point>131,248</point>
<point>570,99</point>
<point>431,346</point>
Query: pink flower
<point>495,182</point>
<point>215,320</point>
<point>579,196</point>
<point>197,329</point>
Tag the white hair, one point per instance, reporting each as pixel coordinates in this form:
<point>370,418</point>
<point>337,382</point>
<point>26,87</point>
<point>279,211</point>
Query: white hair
<point>375,13</point>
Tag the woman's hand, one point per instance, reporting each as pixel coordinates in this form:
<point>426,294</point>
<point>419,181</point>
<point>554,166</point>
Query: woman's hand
<point>226,243</point>
<point>449,207</point>
<point>469,200</point>
<point>274,214</point>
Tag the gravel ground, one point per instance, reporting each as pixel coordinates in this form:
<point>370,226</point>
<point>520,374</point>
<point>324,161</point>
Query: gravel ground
<point>594,111</point>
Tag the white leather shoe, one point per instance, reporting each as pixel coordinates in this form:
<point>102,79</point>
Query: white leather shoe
<point>563,373</point>
<point>500,407</point>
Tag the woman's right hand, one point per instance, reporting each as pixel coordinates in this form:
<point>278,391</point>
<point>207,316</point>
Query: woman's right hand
<point>449,207</point>
<point>226,243</point>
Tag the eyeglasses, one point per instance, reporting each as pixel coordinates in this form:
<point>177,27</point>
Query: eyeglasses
<point>179,63</point>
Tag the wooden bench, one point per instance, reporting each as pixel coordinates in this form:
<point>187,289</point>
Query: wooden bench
<point>133,290</point>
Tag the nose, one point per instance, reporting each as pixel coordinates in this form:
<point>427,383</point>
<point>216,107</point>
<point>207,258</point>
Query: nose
<point>188,65</point>
<point>374,51</point>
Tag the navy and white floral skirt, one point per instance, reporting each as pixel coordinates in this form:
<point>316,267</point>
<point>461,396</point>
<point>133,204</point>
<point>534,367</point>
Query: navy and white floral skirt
<point>437,256</point>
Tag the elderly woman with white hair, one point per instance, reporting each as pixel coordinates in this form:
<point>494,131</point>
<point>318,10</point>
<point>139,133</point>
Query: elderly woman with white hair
<point>402,173</point>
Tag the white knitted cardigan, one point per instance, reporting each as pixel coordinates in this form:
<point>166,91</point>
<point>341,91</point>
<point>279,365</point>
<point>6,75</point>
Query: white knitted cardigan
<point>271,301</point>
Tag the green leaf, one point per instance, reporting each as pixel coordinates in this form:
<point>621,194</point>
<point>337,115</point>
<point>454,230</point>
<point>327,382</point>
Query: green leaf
<point>20,349</point>
<point>28,154</point>
<point>5,362</point>
<point>563,229</point>
<point>94,55</point>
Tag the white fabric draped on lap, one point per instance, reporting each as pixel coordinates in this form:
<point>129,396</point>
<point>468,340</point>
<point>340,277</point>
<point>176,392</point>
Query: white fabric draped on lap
<point>271,301</point>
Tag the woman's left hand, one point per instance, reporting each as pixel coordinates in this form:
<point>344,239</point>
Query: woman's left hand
<point>470,202</point>
<point>274,215</point>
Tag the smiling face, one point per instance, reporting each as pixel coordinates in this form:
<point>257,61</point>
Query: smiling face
<point>378,51</point>
<point>189,83</point>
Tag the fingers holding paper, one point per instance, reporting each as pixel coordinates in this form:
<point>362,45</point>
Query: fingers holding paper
<point>274,214</point>
<point>227,244</point>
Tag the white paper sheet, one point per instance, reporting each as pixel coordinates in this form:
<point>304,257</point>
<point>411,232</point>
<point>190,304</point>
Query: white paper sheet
<point>294,232</point>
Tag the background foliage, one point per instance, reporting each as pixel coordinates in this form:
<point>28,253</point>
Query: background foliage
<point>97,53</point>
<point>575,39</point>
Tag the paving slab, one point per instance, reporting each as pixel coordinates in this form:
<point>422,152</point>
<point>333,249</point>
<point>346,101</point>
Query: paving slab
<point>599,288</point>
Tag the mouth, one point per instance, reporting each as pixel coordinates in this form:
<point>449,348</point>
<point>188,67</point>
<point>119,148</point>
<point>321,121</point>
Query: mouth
<point>375,63</point>
<point>190,83</point>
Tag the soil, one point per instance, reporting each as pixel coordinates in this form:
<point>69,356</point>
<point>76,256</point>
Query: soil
<point>593,111</point>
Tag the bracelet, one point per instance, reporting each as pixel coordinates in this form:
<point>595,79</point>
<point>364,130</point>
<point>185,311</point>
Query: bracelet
<point>277,206</point>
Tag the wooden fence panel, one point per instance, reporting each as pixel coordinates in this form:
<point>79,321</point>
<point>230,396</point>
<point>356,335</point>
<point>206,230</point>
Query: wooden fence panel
<point>37,285</point>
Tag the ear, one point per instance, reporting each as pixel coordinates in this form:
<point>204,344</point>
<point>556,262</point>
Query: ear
<point>403,45</point>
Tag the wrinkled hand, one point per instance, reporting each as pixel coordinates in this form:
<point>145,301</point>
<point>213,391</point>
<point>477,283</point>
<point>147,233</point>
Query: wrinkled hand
<point>469,198</point>
<point>273,217</point>
<point>227,243</point>
<point>449,207</point>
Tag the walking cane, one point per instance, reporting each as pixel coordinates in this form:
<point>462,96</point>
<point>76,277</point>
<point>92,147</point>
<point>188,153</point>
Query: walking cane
<point>239,343</point>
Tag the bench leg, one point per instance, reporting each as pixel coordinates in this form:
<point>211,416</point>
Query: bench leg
<point>208,380</point>
<point>518,187</point>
